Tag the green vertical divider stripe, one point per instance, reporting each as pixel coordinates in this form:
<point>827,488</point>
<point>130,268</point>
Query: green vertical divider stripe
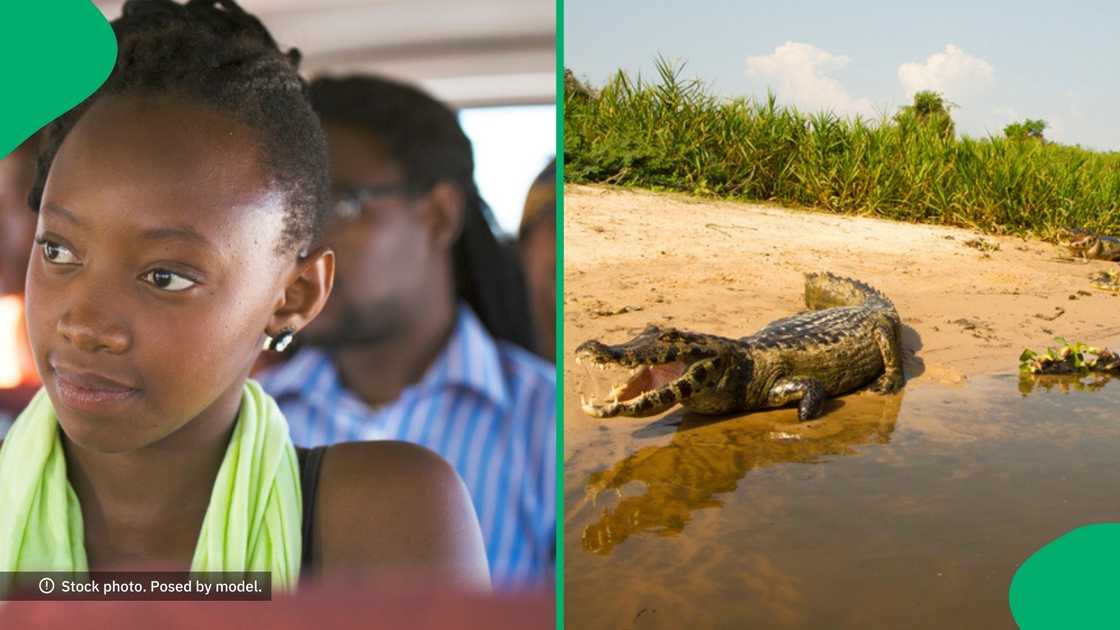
<point>559,314</point>
<point>55,54</point>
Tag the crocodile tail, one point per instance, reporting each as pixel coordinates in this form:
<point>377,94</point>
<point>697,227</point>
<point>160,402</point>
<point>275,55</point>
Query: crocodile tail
<point>826,290</point>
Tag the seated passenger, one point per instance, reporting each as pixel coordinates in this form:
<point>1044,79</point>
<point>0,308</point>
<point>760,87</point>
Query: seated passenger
<point>536,244</point>
<point>18,380</point>
<point>422,338</point>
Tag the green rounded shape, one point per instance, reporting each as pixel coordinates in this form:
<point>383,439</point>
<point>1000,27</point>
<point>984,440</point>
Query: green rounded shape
<point>1072,582</point>
<point>56,53</point>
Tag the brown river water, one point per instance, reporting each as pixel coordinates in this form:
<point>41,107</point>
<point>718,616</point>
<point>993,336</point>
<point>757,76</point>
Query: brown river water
<point>907,511</point>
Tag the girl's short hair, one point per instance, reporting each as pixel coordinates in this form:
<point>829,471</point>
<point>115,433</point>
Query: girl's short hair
<point>215,53</point>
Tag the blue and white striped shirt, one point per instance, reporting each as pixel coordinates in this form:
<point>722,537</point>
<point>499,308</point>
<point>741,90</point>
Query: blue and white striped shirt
<point>485,406</point>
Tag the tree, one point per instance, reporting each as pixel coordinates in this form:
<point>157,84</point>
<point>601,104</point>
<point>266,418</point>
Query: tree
<point>929,109</point>
<point>1029,129</point>
<point>574,88</point>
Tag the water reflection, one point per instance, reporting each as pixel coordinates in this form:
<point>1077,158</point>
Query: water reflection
<point>657,488</point>
<point>1064,383</point>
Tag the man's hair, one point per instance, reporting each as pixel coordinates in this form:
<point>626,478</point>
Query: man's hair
<point>214,53</point>
<point>424,138</point>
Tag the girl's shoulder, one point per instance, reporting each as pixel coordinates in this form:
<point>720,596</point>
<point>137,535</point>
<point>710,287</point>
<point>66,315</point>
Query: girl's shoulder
<point>396,507</point>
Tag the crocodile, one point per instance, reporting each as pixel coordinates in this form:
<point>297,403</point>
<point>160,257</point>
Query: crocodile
<point>1084,244</point>
<point>849,338</point>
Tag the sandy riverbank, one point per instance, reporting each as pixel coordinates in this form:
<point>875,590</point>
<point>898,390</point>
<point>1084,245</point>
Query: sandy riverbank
<point>634,257</point>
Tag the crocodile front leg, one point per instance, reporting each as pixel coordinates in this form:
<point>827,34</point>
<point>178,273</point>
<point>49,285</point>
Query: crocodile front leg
<point>806,389</point>
<point>887,337</point>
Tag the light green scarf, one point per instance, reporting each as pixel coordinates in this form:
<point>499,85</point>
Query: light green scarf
<point>253,522</point>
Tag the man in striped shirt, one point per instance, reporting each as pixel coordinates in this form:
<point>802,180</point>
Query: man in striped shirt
<point>422,339</point>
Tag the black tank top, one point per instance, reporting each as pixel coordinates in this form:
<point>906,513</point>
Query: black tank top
<point>310,460</point>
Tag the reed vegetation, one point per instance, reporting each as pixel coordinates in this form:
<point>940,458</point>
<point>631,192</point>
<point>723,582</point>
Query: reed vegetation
<point>673,134</point>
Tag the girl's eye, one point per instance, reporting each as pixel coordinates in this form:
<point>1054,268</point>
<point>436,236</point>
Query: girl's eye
<point>168,280</point>
<point>57,254</point>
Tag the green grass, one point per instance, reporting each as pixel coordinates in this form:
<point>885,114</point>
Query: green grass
<point>673,135</point>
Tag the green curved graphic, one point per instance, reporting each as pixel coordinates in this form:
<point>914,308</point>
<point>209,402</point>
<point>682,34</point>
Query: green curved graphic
<point>1071,582</point>
<point>55,53</point>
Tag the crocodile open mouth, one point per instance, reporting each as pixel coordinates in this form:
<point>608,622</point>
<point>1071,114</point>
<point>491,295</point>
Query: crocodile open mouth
<point>609,387</point>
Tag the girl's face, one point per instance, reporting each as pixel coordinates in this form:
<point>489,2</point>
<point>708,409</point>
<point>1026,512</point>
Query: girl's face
<point>154,275</point>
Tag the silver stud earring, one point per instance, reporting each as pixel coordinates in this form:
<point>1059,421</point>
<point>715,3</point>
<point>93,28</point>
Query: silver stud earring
<point>285,338</point>
<point>281,341</point>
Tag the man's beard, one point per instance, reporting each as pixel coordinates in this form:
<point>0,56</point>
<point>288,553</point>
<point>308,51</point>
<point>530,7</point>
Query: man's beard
<point>374,324</point>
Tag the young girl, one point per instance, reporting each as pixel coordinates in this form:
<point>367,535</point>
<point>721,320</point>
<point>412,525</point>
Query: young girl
<point>178,214</point>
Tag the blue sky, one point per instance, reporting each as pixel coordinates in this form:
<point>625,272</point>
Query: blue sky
<point>1000,62</point>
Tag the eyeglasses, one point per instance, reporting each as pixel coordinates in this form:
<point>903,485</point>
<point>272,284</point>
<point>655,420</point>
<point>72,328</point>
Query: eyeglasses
<point>347,204</point>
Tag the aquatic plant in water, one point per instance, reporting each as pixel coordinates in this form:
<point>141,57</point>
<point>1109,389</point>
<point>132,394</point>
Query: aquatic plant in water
<point>1068,358</point>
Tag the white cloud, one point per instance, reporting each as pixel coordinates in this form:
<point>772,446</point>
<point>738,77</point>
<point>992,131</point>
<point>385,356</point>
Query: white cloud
<point>797,73</point>
<point>953,73</point>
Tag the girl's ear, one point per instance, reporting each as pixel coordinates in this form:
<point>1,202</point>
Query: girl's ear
<point>306,293</point>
